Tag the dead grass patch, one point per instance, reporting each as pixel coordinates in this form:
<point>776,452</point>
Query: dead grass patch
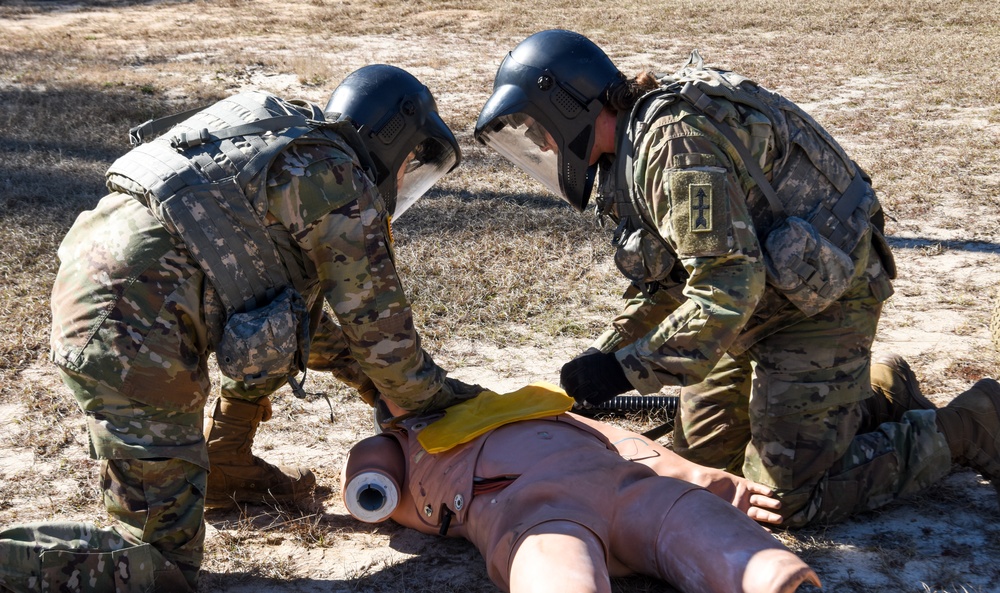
<point>489,261</point>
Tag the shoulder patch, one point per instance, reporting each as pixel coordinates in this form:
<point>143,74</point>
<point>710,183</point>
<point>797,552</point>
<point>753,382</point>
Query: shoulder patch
<point>699,212</point>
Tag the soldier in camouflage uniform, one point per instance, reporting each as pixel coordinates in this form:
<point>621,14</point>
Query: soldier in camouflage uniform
<point>135,317</point>
<point>758,272</point>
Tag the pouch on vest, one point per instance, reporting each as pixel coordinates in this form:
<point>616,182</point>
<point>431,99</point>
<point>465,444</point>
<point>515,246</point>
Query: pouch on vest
<point>267,342</point>
<point>639,256</point>
<point>262,339</point>
<point>812,261</point>
<point>807,268</point>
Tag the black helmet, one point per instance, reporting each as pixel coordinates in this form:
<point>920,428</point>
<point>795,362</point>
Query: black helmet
<point>398,121</point>
<point>546,98</point>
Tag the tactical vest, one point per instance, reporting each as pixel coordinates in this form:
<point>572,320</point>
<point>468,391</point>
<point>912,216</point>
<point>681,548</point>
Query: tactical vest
<point>809,218</point>
<point>205,182</point>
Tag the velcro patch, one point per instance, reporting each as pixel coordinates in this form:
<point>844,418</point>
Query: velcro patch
<point>699,212</point>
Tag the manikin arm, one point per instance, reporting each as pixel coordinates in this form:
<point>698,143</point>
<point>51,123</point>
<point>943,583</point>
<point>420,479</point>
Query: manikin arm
<point>750,497</point>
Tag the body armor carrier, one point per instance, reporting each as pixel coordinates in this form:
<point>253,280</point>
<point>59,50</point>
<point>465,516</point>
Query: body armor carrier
<point>205,182</point>
<point>809,218</point>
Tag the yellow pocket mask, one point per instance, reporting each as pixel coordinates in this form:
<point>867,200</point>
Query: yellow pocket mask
<point>488,410</point>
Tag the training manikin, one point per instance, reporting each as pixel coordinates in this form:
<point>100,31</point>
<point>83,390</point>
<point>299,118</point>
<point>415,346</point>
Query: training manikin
<point>563,503</point>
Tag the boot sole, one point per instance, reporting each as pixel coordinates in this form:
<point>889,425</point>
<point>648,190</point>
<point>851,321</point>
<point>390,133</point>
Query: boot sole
<point>303,490</point>
<point>261,499</point>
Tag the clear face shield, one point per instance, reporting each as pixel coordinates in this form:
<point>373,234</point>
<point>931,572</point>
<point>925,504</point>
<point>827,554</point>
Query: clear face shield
<point>420,170</point>
<point>526,143</point>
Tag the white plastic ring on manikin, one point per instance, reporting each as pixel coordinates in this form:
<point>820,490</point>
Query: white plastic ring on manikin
<point>371,496</point>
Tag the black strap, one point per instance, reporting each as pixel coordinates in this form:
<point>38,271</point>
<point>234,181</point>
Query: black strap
<point>832,223</point>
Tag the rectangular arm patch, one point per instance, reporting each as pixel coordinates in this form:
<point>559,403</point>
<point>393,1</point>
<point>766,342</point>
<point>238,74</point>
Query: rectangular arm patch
<point>699,212</point>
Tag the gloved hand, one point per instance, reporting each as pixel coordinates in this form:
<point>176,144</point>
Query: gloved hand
<point>452,392</point>
<point>463,391</point>
<point>368,392</point>
<point>594,377</point>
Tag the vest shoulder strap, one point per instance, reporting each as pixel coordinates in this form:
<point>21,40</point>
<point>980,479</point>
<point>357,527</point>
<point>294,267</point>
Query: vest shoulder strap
<point>702,103</point>
<point>698,88</point>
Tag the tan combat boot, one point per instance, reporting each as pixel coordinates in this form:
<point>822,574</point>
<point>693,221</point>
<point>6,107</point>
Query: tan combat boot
<point>238,476</point>
<point>896,391</point>
<point>971,425</point>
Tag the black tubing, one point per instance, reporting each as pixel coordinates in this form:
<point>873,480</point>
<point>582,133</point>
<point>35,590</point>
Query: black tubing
<point>638,403</point>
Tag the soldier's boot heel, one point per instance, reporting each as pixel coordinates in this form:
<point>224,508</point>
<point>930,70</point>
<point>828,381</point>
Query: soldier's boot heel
<point>236,474</point>
<point>971,425</point>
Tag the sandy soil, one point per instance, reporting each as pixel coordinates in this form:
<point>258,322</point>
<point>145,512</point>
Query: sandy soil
<point>947,539</point>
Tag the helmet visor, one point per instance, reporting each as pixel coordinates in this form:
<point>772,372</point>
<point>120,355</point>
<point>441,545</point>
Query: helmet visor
<point>526,143</point>
<point>421,169</point>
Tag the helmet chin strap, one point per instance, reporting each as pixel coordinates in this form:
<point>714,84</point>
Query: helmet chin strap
<point>604,202</point>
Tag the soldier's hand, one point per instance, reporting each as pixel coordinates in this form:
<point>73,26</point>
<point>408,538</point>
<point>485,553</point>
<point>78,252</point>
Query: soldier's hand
<point>594,377</point>
<point>463,391</point>
<point>452,392</point>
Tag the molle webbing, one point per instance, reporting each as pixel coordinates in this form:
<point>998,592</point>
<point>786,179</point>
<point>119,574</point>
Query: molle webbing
<point>703,103</point>
<point>234,250</point>
<point>831,218</point>
<point>204,181</point>
<point>830,221</point>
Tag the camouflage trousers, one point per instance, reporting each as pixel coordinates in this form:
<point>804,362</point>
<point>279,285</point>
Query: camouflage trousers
<point>132,341</point>
<point>82,557</point>
<point>153,476</point>
<point>786,413</point>
<point>134,323</point>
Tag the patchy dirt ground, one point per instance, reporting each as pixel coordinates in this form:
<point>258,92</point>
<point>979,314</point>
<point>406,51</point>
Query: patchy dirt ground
<point>945,232</point>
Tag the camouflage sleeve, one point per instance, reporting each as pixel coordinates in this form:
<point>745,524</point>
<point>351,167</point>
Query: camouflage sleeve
<point>339,221</point>
<point>639,316</point>
<point>698,201</point>
<point>329,352</point>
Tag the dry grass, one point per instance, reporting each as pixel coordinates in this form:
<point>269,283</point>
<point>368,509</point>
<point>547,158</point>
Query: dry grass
<point>910,89</point>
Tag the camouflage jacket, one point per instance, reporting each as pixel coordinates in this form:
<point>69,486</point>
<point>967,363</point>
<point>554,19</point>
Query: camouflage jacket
<point>331,229</point>
<point>708,261</point>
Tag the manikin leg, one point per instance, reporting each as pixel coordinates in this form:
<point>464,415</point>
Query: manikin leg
<point>699,543</point>
<point>559,556</point>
